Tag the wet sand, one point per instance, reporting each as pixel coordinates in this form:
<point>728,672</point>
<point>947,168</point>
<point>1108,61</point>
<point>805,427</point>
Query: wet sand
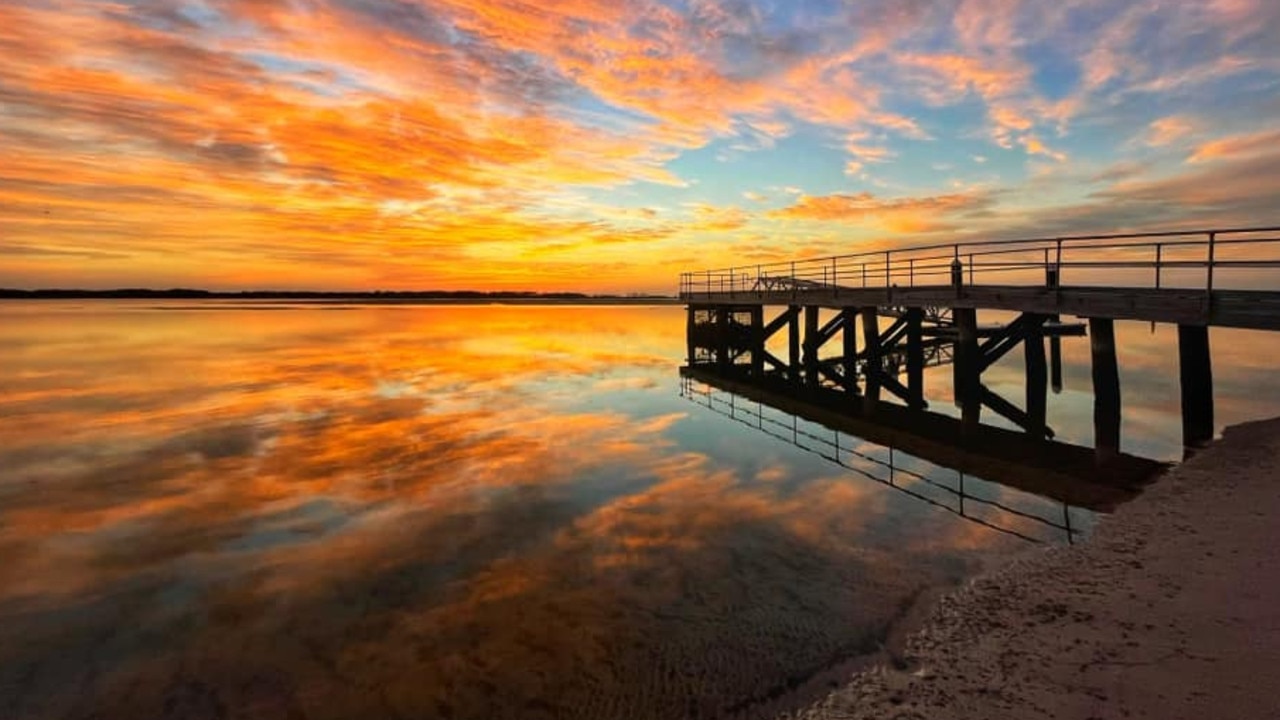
<point>1171,610</point>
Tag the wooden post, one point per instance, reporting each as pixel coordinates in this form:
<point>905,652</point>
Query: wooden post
<point>1106,389</point>
<point>871,359</point>
<point>850,338</point>
<point>1195,371</point>
<point>967,377</point>
<point>1055,359</point>
<point>689,330</point>
<point>757,341</point>
<point>793,346</point>
<point>1037,380</point>
<point>723,361</point>
<point>915,353</point>
<point>811,344</point>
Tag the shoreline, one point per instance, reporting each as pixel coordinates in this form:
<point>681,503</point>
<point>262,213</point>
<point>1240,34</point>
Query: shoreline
<point>1168,610</point>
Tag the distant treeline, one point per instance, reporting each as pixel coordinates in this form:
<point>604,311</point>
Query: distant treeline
<point>187,293</point>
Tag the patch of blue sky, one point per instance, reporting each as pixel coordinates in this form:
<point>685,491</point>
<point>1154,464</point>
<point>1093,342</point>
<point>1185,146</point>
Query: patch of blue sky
<point>942,167</point>
<point>325,79</point>
<point>590,110</point>
<point>1055,72</point>
<point>201,14</point>
<point>805,160</point>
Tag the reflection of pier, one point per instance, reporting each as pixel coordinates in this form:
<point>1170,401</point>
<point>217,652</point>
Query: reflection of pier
<point>1158,277</point>
<point>1055,470</point>
<point>894,469</point>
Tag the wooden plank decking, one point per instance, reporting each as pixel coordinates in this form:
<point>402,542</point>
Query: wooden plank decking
<point>1252,309</point>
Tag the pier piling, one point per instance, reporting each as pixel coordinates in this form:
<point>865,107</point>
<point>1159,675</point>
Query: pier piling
<point>1196,379</point>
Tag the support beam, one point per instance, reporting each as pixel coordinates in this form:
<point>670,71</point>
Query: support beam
<point>830,328</point>
<point>1008,338</point>
<point>757,341</point>
<point>894,335</point>
<point>850,358</point>
<point>1007,410</point>
<point>1195,370</point>
<point>810,348</point>
<point>872,363</point>
<point>1055,359</point>
<point>793,343</point>
<point>893,385</point>
<point>1106,389</point>
<point>1037,381</point>
<point>967,375</point>
<point>689,328</point>
<point>915,355</point>
<point>774,360</point>
<point>776,324</point>
<point>723,361</point>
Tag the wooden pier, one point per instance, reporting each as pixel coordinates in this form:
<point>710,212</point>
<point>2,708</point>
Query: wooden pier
<point>895,312</point>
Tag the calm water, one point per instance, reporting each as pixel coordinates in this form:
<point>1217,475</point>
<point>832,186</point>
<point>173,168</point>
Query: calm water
<point>221,510</point>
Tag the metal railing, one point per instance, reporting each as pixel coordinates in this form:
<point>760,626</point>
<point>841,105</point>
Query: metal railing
<point>891,471</point>
<point>1189,259</point>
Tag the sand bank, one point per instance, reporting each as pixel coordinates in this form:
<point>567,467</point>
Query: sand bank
<point>1171,610</point>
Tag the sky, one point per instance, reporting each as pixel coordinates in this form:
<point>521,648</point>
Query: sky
<point>608,145</point>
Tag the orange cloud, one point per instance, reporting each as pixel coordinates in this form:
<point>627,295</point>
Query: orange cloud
<point>1237,146</point>
<point>899,215</point>
<point>1165,130</point>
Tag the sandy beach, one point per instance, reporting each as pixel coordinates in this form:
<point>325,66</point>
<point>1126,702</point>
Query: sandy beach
<point>1171,610</point>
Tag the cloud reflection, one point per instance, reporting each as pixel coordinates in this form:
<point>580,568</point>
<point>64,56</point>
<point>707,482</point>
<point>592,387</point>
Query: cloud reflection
<point>450,512</point>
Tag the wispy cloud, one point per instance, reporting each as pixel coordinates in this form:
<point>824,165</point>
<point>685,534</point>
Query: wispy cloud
<point>348,143</point>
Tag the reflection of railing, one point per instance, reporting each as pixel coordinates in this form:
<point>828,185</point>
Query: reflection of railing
<point>752,414</point>
<point>1041,260</point>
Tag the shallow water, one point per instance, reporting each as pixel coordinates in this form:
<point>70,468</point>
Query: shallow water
<point>212,510</point>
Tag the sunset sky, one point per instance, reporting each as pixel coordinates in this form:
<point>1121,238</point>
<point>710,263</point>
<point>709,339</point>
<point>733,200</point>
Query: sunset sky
<point>606,145</point>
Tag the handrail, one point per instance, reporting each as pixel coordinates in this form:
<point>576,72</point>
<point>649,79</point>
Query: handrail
<point>964,260</point>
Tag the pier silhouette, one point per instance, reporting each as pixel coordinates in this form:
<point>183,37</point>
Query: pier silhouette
<point>892,313</point>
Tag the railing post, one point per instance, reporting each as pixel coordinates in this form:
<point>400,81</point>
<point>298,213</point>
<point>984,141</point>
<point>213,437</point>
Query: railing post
<point>957,270</point>
<point>971,268</point>
<point>887,273</point>
<point>793,279</point>
<point>708,284</point>
<point>1209,280</point>
<point>911,272</point>
<point>1057,262</point>
<point>731,282</point>
<point>864,274</point>
<point>1159,252</point>
<point>759,280</point>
